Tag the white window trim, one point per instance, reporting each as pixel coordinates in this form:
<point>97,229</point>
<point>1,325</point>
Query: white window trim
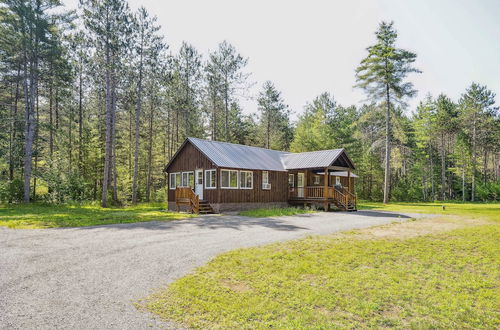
<point>237,179</point>
<point>251,173</point>
<point>265,183</point>
<point>215,181</point>
<point>187,172</point>
<point>316,179</point>
<point>170,180</point>
<point>337,180</point>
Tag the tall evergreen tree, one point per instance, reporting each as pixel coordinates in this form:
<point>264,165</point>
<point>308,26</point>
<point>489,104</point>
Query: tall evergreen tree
<point>148,45</point>
<point>274,118</point>
<point>381,75</point>
<point>108,22</point>
<point>476,107</point>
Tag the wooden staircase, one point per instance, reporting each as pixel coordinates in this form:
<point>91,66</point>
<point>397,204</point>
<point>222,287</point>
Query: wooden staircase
<point>205,207</point>
<point>186,196</point>
<point>345,200</point>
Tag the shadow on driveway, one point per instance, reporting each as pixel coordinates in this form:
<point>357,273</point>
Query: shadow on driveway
<point>209,222</point>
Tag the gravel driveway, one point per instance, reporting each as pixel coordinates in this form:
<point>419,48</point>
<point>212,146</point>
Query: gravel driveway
<point>89,277</point>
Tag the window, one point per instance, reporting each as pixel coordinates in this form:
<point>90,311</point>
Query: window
<point>175,180</point>
<point>246,179</point>
<point>210,179</point>
<point>291,180</point>
<point>229,179</point>
<point>337,181</point>
<point>316,179</point>
<point>265,180</point>
<point>187,179</point>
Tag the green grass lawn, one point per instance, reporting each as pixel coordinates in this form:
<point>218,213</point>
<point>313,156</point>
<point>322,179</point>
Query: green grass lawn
<point>470,210</point>
<point>27,216</point>
<point>274,212</point>
<point>440,272</point>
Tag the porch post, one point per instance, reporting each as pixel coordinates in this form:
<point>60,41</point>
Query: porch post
<point>325,192</point>
<point>349,180</point>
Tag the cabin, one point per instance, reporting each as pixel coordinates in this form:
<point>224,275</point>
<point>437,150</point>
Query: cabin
<point>210,176</point>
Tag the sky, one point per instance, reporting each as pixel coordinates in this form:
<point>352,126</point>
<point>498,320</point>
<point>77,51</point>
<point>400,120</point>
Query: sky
<point>313,46</point>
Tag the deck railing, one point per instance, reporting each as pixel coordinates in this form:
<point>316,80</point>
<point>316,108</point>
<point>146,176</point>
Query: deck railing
<point>342,195</point>
<point>186,196</point>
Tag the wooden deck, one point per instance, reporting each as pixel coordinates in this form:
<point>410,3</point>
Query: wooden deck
<point>340,197</point>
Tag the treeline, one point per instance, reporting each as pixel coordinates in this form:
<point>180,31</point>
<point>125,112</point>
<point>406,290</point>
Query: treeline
<point>93,104</point>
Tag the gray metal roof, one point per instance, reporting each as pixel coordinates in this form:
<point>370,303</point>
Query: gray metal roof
<point>312,159</point>
<point>231,155</point>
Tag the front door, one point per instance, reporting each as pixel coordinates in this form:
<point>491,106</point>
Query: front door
<point>198,183</point>
<point>300,185</point>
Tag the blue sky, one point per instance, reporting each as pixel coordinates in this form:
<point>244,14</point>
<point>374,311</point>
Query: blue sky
<point>308,47</point>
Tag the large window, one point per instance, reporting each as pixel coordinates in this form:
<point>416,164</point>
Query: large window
<point>291,180</point>
<point>246,179</point>
<point>266,185</point>
<point>229,179</point>
<point>187,179</point>
<point>210,179</point>
<point>175,180</point>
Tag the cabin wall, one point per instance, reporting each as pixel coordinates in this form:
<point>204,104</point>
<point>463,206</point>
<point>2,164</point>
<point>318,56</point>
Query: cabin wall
<point>190,159</point>
<point>277,193</point>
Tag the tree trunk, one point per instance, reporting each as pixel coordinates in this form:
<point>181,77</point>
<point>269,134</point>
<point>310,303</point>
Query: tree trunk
<point>137,135</point>
<point>268,128</point>
<point>431,170</point>
<point>113,137</point>
<point>150,154</point>
<point>473,183</point>
<point>13,129</point>
<point>485,166</point>
<point>226,109</point>
<point>37,121</point>
<point>51,124</point>
<point>108,143</point>
<point>463,183</point>
<point>80,120</point>
<point>387,174</point>
<point>30,87</point>
<point>443,168</point>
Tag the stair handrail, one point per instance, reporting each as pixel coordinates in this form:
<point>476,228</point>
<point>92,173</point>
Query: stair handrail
<point>340,197</point>
<point>351,196</point>
<point>188,193</point>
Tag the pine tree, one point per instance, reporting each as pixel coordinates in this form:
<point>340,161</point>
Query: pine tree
<point>274,118</point>
<point>381,75</point>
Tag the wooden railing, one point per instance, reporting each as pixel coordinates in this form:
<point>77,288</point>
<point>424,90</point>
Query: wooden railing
<point>351,197</point>
<point>342,195</point>
<point>186,196</point>
<point>315,192</point>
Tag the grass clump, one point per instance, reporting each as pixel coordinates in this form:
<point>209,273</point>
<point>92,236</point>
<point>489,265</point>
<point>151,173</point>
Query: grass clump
<point>275,212</point>
<point>31,216</point>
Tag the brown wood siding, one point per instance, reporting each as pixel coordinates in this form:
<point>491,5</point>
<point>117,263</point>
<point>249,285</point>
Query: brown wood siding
<point>277,193</point>
<point>190,159</point>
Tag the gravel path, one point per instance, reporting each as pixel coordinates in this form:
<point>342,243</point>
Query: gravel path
<point>89,277</point>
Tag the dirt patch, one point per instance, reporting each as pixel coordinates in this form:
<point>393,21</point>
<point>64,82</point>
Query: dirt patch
<point>236,286</point>
<point>413,228</point>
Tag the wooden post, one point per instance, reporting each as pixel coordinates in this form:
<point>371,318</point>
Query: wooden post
<point>325,193</point>
<point>349,180</point>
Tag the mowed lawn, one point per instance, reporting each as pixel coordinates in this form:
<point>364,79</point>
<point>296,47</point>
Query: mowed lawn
<point>440,272</point>
<point>31,216</point>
